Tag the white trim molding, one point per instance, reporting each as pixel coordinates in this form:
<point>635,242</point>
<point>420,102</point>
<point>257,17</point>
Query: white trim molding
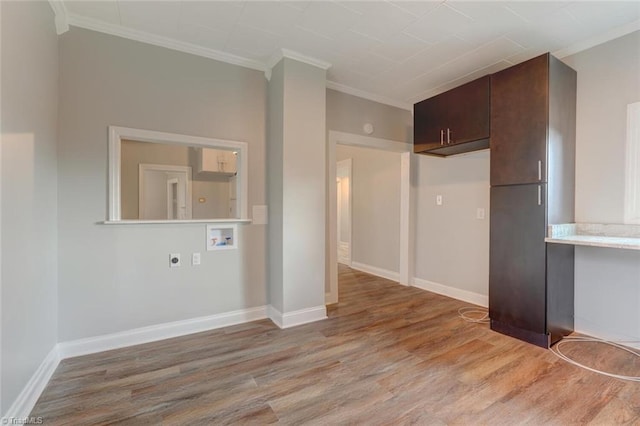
<point>378,272</point>
<point>154,333</point>
<point>61,16</point>
<point>296,56</point>
<point>117,134</point>
<point>169,43</point>
<point>453,292</point>
<point>299,317</point>
<point>367,95</point>
<point>64,19</point>
<point>26,400</point>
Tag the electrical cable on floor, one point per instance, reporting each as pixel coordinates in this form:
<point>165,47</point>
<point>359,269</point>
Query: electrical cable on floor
<point>556,350</point>
<point>475,315</point>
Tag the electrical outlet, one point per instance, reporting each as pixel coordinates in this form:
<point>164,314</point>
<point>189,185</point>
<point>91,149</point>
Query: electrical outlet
<point>195,259</point>
<point>438,200</point>
<point>174,260</point>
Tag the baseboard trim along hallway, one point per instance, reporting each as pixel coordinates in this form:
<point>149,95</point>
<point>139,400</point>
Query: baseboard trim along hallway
<point>455,293</point>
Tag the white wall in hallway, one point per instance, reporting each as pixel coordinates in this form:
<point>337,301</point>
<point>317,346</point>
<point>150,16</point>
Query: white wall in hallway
<point>375,206</point>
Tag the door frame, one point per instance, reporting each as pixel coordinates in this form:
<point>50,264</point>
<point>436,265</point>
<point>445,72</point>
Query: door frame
<point>142,168</point>
<point>406,240</point>
<point>347,164</point>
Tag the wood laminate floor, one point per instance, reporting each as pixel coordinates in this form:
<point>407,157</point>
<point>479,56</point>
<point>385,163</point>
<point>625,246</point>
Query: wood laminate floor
<point>388,354</point>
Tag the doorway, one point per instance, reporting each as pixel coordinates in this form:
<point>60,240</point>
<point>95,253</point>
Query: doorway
<point>405,239</point>
<point>164,192</point>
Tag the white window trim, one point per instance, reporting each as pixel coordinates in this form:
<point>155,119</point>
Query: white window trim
<point>632,174</point>
<point>117,134</point>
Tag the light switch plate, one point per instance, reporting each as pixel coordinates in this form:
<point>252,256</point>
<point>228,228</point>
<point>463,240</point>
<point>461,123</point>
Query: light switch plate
<point>195,259</point>
<point>438,200</point>
<point>480,213</point>
<point>260,215</point>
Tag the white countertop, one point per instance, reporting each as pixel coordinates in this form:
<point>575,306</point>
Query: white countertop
<point>595,235</point>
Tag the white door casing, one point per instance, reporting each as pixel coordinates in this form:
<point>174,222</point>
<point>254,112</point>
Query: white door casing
<point>406,194</point>
<point>344,194</point>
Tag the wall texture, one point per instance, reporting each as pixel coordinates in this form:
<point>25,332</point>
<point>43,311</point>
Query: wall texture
<point>347,113</point>
<point>115,278</point>
<point>607,283</point>
<point>29,193</point>
<point>375,206</point>
<point>451,244</point>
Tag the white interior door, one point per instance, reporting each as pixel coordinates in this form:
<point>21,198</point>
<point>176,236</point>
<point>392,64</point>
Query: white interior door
<point>343,182</point>
<point>164,192</point>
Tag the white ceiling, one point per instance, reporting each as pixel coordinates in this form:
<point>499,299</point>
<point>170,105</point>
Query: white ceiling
<point>395,51</point>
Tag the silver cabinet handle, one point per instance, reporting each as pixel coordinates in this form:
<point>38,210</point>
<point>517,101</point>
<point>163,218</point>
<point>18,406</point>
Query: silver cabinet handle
<point>448,135</point>
<point>539,170</point>
<point>441,137</point>
<point>539,195</point>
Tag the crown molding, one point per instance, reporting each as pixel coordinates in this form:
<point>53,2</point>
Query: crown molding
<point>61,16</point>
<point>169,43</point>
<point>367,95</point>
<point>599,39</point>
<point>296,56</point>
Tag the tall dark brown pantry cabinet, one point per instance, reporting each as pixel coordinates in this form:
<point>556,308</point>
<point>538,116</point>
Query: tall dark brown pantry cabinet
<point>533,119</point>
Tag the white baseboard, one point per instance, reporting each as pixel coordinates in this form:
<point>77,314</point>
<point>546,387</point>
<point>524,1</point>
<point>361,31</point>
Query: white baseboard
<point>330,298</point>
<point>302,316</point>
<point>455,293</point>
<point>374,270</point>
<point>583,326</point>
<point>26,400</point>
<point>159,332</point>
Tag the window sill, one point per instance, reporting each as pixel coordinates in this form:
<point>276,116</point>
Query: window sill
<point>172,222</point>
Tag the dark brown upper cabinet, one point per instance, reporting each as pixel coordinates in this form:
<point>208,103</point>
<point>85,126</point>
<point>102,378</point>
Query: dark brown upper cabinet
<point>455,121</point>
<point>532,121</point>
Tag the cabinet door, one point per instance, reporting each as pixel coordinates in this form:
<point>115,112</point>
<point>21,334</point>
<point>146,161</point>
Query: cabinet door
<point>429,123</point>
<point>468,112</point>
<point>519,122</point>
<point>517,283</point>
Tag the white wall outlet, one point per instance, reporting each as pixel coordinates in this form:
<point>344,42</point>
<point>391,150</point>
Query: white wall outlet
<point>438,200</point>
<point>195,259</point>
<point>479,213</point>
<point>174,260</point>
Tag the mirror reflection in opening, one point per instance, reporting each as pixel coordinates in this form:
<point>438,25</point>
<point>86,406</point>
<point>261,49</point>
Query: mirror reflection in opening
<point>177,182</point>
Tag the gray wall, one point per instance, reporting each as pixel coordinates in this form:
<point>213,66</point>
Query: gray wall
<point>375,206</point>
<point>607,283</point>
<point>28,297</point>
<point>115,278</point>
<point>451,245</point>
<point>275,120</point>
<point>347,113</point>
<point>608,80</point>
<point>304,180</point>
